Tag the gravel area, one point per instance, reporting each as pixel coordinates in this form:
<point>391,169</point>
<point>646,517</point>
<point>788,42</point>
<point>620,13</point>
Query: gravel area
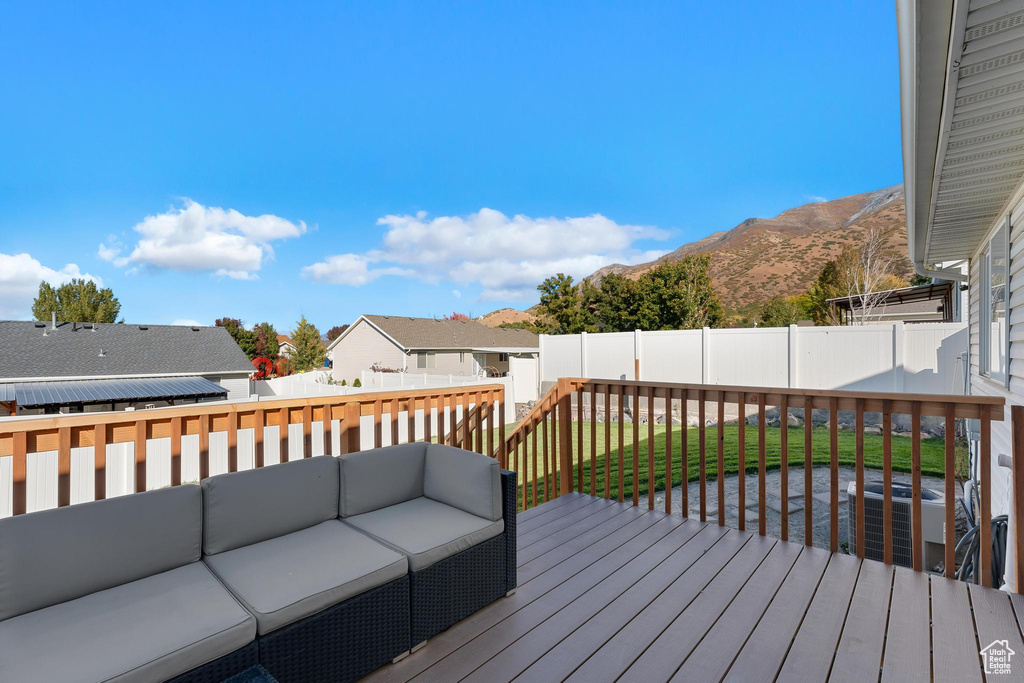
<point>773,522</point>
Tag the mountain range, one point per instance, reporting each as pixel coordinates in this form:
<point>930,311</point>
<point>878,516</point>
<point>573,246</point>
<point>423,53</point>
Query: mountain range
<point>762,257</point>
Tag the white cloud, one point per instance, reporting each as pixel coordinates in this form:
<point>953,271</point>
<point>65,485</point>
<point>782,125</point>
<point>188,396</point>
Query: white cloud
<point>457,294</point>
<point>194,237</point>
<point>506,256</point>
<point>188,322</point>
<point>20,275</point>
<point>814,199</point>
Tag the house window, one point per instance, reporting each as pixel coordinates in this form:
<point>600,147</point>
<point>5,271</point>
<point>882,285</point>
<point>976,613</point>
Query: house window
<point>502,357</point>
<point>425,361</point>
<point>462,357</point>
<point>994,328</point>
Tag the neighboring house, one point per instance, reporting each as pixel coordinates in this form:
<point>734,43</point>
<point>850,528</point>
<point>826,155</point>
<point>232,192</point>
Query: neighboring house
<point>86,367</point>
<point>425,345</point>
<point>962,97</point>
<point>935,302</point>
<point>286,347</point>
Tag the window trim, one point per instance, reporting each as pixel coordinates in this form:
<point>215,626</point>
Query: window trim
<point>985,308</point>
<point>429,360</point>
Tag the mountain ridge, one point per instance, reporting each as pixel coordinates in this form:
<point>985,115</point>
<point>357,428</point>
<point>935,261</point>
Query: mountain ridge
<point>763,257</point>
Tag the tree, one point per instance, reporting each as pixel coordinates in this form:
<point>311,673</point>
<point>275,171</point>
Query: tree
<point>869,277</point>
<point>829,284</point>
<point>266,340</point>
<point>245,339</point>
<point>76,301</point>
<point>615,305</point>
<point>560,300</point>
<point>780,311</point>
<point>457,316</point>
<point>678,296</point>
<point>537,326</point>
<point>335,332</point>
<point>309,351</point>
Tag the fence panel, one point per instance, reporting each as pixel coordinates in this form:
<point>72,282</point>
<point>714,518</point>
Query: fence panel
<point>918,358</point>
<point>609,356</point>
<point>670,356</point>
<point>851,358</point>
<point>757,357</point>
<point>560,353</point>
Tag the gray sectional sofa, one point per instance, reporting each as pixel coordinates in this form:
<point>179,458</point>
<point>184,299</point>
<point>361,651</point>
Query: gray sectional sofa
<point>319,569</point>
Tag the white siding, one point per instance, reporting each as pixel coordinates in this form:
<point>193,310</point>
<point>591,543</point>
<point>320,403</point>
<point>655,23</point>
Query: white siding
<point>237,385</point>
<point>1002,431</point>
<point>363,346</point>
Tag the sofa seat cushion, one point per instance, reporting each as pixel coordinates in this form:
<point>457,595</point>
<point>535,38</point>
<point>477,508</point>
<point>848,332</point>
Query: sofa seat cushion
<point>290,577</point>
<point>147,630</point>
<point>425,530</point>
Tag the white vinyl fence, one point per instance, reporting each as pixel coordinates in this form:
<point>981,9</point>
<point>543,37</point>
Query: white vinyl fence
<point>914,358</point>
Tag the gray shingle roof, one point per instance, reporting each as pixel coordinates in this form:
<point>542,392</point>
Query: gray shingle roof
<point>38,394</point>
<point>73,350</point>
<point>428,333</point>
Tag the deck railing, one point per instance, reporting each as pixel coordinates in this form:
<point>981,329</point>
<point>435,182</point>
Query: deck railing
<point>467,417</point>
<point>556,466</point>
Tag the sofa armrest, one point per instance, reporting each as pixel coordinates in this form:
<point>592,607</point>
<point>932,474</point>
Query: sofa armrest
<point>509,507</point>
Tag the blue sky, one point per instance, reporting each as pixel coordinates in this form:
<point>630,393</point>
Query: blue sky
<point>268,160</point>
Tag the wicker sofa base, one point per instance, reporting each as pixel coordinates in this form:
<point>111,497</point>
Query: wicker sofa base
<point>222,667</point>
<point>450,590</point>
<point>344,642</point>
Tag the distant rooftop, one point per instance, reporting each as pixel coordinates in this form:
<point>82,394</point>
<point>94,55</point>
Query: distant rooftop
<point>430,333</point>
<point>33,350</point>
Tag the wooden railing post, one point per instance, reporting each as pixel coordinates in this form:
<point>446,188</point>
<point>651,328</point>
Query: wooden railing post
<point>350,428</point>
<point>564,398</point>
<point>1017,468</point>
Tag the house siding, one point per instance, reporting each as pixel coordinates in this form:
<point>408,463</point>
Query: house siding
<point>236,384</point>
<point>362,347</point>
<point>1002,432</point>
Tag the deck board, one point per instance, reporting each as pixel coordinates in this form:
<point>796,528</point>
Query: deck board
<point>859,657</point>
<point>813,651</point>
<point>766,649</point>
<point>954,647</point>
<point>648,572</point>
<point>711,659</point>
<point>683,626</point>
<point>608,591</point>
<point>908,656</point>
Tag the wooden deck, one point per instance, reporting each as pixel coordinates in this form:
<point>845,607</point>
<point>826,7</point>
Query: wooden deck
<point>608,591</point>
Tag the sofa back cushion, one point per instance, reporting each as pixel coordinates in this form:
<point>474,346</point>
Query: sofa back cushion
<point>53,556</point>
<point>242,508</point>
<point>377,478</point>
<point>463,479</point>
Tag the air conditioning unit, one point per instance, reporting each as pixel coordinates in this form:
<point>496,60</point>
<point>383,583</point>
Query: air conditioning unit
<point>932,524</point>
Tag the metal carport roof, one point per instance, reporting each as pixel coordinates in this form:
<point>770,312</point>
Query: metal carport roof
<point>40,394</point>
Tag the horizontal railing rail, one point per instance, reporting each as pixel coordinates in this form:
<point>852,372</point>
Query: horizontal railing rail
<point>467,417</point>
<point>557,463</point>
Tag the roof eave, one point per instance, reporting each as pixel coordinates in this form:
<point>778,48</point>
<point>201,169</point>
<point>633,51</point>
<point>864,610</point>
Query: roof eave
<point>924,40</point>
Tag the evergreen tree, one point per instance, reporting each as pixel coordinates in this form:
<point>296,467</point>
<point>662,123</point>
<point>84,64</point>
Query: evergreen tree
<point>561,301</point>
<point>76,301</point>
<point>246,339</point>
<point>266,340</point>
<point>309,350</point>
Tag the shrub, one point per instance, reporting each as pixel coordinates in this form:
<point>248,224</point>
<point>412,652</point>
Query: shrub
<point>356,382</point>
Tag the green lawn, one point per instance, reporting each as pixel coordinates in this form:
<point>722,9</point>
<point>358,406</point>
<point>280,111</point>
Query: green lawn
<point>932,454</point>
